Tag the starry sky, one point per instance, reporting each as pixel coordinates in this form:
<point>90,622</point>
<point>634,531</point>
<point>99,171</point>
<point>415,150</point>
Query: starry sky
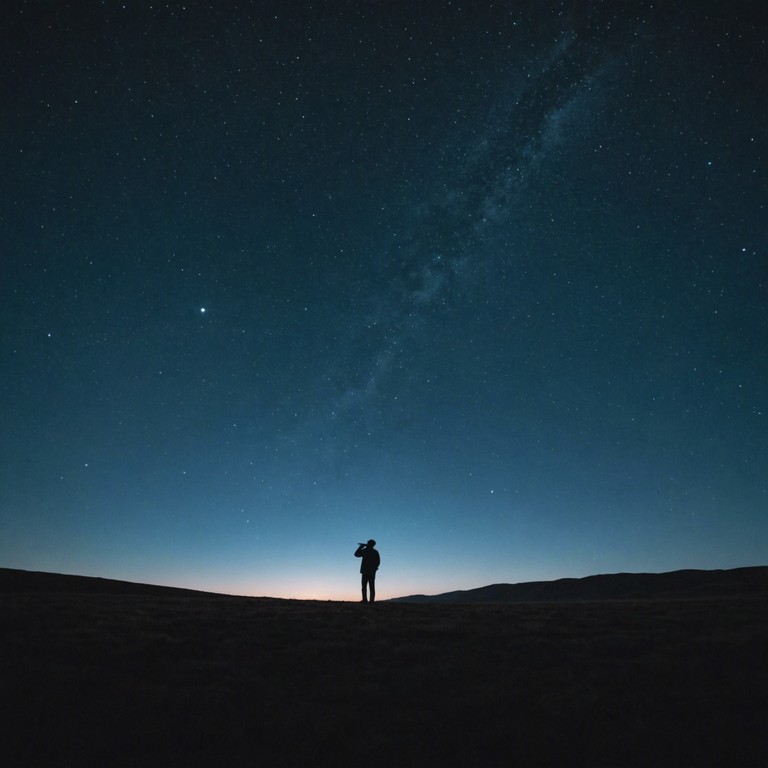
<point>485,282</point>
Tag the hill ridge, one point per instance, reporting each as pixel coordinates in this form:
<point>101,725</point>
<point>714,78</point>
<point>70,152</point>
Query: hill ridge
<point>689,583</point>
<point>17,580</point>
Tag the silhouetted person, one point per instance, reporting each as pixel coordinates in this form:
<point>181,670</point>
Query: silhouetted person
<point>368,568</point>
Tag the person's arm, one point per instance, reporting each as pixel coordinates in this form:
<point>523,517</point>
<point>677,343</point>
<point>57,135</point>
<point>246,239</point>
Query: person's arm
<point>360,549</point>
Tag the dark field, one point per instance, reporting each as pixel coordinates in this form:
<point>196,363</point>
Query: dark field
<point>142,680</point>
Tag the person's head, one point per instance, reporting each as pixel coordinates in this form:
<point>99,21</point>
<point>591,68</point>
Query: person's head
<point>371,543</point>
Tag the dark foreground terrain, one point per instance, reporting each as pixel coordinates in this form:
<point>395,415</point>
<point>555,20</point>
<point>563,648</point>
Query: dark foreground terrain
<point>95,679</point>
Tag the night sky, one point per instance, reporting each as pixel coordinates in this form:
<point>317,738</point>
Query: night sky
<point>485,282</point>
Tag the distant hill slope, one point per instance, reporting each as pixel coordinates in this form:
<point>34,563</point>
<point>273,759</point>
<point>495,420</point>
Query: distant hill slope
<point>675,585</point>
<point>12,580</point>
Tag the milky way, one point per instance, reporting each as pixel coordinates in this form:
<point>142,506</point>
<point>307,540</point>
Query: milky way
<point>484,283</point>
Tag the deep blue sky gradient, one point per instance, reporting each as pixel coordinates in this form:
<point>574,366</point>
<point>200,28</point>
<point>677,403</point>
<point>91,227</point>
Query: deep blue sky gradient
<point>486,283</point>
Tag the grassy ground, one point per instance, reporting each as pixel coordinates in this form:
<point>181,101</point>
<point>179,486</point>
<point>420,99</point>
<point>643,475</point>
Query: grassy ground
<point>164,681</point>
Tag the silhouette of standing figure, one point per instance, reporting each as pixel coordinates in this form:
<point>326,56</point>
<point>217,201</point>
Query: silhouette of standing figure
<point>368,567</point>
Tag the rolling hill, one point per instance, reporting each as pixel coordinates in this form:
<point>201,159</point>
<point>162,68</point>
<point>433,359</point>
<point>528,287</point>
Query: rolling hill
<point>14,580</point>
<point>684,584</point>
<point>675,585</point>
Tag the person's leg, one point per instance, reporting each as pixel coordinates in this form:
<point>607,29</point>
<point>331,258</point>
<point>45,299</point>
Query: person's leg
<point>363,582</point>
<point>372,586</point>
